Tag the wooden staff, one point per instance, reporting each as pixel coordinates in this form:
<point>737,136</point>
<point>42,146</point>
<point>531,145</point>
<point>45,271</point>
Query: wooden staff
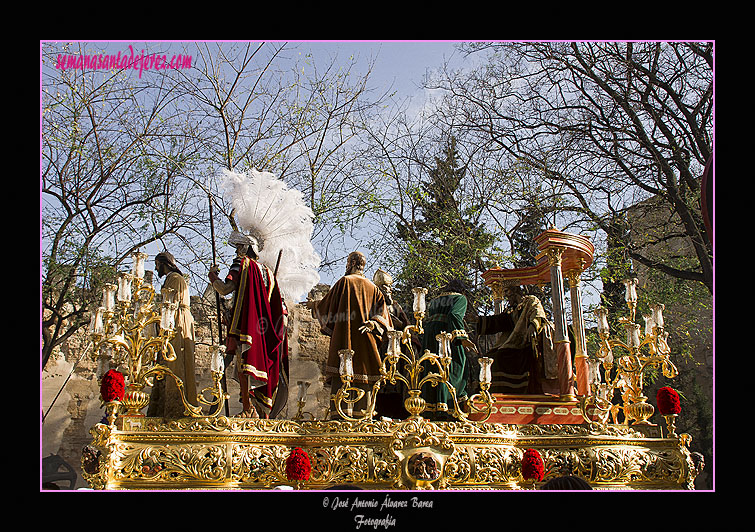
<point>217,300</point>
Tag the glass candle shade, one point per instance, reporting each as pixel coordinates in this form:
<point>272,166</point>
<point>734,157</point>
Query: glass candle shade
<point>394,342</point>
<point>303,386</point>
<point>169,296</point>
<point>124,287</point>
<point>347,366</point>
<point>593,371</point>
<point>444,344</point>
<point>486,376</point>
<point>96,324</point>
<point>601,315</point>
<point>108,297</point>
<point>419,299</point>
<point>657,311</point>
<point>649,323</point>
<point>138,268</point>
<point>168,317</point>
<point>217,365</point>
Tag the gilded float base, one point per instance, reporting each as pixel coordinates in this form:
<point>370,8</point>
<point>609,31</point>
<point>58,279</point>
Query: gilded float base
<point>141,453</point>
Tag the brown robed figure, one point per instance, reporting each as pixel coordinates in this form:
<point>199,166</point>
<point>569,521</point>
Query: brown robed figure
<point>354,314</point>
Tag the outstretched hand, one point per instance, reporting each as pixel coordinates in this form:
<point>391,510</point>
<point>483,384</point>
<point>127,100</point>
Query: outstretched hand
<point>368,326</point>
<point>466,342</point>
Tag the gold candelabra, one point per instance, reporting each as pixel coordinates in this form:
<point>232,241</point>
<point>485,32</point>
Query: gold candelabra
<point>130,328</point>
<point>641,350</point>
<point>412,376</point>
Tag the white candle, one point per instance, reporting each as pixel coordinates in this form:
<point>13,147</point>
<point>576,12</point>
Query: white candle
<point>631,290</point>
<point>633,335</point>
<point>124,287</point>
<point>601,314</point>
<point>419,299</point>
<point>658,314</point>
<point>346,368</point>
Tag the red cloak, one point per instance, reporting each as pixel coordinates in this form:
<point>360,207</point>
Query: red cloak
<point>257,329</point>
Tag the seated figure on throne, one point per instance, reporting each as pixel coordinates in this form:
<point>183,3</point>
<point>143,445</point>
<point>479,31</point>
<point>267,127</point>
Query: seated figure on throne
<point>524,357</point>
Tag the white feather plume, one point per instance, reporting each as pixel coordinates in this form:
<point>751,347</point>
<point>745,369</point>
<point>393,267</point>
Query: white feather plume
<point>277,215</point>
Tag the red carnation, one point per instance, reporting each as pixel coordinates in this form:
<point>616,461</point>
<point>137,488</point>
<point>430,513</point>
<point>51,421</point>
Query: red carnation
<point>533,466</point>
<point>112,387</point>
<point>668,401</point>
<point>297,465</point>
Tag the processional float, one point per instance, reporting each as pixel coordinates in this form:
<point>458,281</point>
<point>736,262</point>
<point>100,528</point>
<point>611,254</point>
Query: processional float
<point>486,448</point>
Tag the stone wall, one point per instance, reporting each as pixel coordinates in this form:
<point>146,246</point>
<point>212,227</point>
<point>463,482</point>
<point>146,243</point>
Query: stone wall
<point>70,393</point>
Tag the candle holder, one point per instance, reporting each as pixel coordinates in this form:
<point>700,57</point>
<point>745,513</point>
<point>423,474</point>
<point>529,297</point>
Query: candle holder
<point>671,425</point>
<point>347,396</point>
<point>640,352</point>
<point>484,398</point>
<point>414,367</point>
<point>302,401</point>
<point>217,369</point>
<point>125,329</point>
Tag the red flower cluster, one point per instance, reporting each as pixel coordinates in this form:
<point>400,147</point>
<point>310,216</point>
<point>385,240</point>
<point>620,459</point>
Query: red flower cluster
<point>297,465</point>
<point>533,466</point>
<point>113,387</point>
<point>668,401</point>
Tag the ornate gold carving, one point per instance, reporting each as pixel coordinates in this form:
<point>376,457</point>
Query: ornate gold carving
<point>230,453</point>
<point>135,331</point>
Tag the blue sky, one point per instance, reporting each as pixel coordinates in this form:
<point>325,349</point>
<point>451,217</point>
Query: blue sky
<point>402,63</point>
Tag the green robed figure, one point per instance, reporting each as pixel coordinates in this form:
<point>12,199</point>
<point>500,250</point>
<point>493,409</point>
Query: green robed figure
<point>446,313</point>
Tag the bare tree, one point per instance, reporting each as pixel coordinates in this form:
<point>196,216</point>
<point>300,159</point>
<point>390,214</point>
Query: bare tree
<point>273,107</point>
<point>129,157</point>
<point>112,156</point>
<point>609,126</point>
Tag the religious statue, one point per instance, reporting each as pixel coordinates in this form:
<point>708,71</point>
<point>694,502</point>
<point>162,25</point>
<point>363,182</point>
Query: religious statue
<point>390,399</point>
<point>256,327</point>
<point>445,313</point>
<point>165,398</point>
<point>354,314</point>
<point>524,358</point>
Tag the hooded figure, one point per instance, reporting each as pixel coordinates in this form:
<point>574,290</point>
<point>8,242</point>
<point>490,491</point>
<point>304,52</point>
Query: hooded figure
<point>524,359</point>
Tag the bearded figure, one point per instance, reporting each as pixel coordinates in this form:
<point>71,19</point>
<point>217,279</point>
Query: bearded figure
<point>165,398</point>
<point>354,314</point>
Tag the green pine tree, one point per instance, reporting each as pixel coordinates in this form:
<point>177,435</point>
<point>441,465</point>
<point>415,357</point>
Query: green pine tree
<point>447,240</point>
